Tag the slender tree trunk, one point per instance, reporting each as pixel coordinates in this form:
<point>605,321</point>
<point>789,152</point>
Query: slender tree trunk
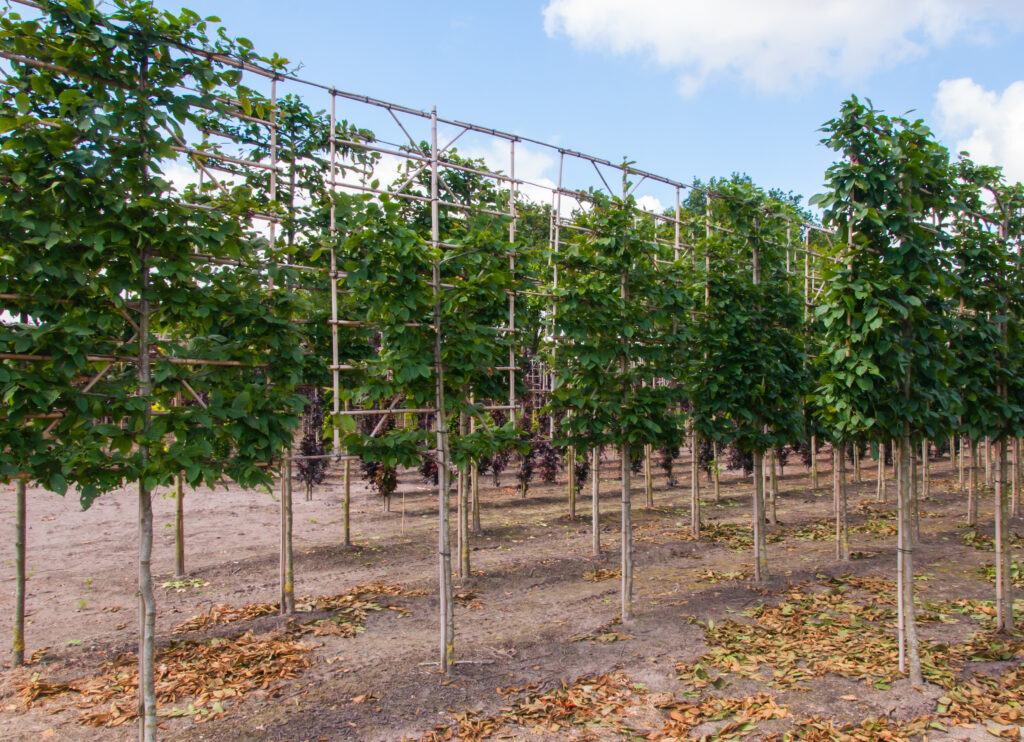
<point>1004,586</point>
<point>147,601</point>
<point>179,526</point>
<point>856,463</point>
<point>814,462</point>
<point>972,485</point>
<point>627,540</point>
<point>595,501</point>
<point>648,475</point>
<point>474,486</point>
<point>760,557</point>
<point>694,484</point>
<point>880,494</point>
<point>960,461</point>
<point>839,493</point>
<point>773,481</point>
<point>915,520</point>
<point>988,461</point>
<point>287,571</point>
<point>717,472</point>
<point>910,660</point>
<point>346,502</point>
<point>463,529</point>
<point>571,471</point>
<point>18,645</point>
<point>926,459</point>
<point>1015,479</point>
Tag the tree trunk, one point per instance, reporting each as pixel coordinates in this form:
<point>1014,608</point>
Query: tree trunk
<point>287,572</point>
<point>1004,586</point>
<point>648,476</point>
<point>346,502</point>
<point>595,501</point>
<point>910,660</point>
<point>571,471</point>
<point>18,645</point>
<point>147,623</point>
<point>463,529</point>
<point>926,460</point>
<point>880,494</point>
<point>960,462</point>
<point>773,488</point>
<point>988,461</point>
<point>814,462</point>
<point>716,471</point>
<point>627,540</point>
<point>179,527</point>
<point>839,494</point>
<point>694,484</point>
<point>760,557</point>
<point>972,485</point>
<point>915,520</point>
<point>1015,479</point>
<point>474,486</point>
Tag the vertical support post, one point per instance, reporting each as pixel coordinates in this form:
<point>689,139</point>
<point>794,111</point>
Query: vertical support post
<point>760,540</point>
<point>18,643</point>
<point>513,213</point>
<point>335,351</point>
<point>446,605</point>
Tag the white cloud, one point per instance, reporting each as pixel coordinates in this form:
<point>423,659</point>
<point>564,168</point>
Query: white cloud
<point>987,124</point>
<point>650,203</point>
<point>773,45</point>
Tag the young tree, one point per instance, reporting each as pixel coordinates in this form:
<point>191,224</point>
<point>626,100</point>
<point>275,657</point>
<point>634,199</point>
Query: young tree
<point>746,376</point>
<point>615,338</point>
<point>886,319</point>
<point>129,304</point>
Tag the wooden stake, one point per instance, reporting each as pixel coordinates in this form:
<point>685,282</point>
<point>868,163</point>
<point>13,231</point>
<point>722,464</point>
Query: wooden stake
<point>839,499</point>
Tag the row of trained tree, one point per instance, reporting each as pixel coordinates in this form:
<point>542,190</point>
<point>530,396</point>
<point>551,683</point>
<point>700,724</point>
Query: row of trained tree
<point>151,333</point>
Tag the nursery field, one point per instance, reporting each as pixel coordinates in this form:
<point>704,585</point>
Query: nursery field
<point>808,655</point>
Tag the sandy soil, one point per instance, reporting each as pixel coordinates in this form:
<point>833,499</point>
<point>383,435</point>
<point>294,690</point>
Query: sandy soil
<point>528,599</point>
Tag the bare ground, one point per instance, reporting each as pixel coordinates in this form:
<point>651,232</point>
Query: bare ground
<point>526,600</point>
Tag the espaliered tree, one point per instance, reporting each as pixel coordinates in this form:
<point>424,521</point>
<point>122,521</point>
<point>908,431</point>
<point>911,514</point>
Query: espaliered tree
<point>888,368</point>
<point>127,304</point>
<point>749,329</point>
<point>986,336</point>
<point>615,339</point>
<point>429,301</point>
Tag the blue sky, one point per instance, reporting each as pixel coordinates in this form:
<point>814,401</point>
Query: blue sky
<point>685,88</point>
